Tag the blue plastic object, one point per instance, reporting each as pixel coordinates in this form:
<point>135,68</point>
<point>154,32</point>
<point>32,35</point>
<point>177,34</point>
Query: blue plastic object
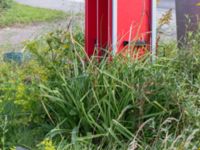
<point>13,57</point>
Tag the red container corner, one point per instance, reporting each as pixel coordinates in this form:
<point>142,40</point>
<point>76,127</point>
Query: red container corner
<point>103,32</point>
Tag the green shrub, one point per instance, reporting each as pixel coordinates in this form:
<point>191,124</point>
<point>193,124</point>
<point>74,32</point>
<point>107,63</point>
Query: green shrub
<point>77,103</point>
<point>106,105</point>
<point>20,104</point>
<point>4,4</point>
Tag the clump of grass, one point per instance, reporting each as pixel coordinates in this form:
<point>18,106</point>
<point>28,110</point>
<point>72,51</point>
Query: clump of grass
<point>108,104</point>
<point>23,14</point>
<point>85,103</point>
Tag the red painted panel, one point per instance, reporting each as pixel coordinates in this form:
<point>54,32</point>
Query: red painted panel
<point>98,30</point>
<point>90,26</point>
<point>134,21</point>
<point>102,24</point>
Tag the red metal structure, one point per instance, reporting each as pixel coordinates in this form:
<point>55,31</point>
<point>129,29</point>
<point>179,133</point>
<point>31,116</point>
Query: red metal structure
<point>116,25</point>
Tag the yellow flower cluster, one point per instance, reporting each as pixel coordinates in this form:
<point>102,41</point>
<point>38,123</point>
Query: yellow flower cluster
<point>47,144</point>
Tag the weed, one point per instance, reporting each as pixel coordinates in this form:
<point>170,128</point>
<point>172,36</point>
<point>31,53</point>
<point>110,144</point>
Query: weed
<point>107,104</point>
<point>76,103</point>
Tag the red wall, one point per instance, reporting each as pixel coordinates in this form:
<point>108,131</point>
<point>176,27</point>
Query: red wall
<point>90,26</point>
<point>104,25</point>
<point>134,21</point>
<point>135,14</point>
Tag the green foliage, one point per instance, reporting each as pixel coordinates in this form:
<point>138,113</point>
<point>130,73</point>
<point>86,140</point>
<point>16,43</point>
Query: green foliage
<point>46,144</point>
<point>23,14</point>
<point>4,4</point>
<point>108,104</point>
<point>19,102</point>
<point>78,103</point>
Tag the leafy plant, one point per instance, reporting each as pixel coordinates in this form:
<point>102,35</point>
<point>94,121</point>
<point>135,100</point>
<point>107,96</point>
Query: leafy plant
<point>19,101</point>
<point>108,104</point>
<point>4,4</point>
<point>69,101</point>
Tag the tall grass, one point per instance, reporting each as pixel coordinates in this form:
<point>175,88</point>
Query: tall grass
<point>122,103</point>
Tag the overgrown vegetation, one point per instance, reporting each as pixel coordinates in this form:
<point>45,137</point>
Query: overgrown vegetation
<point>61,100</point>
<point>5,4</point>
<point>14,13</point>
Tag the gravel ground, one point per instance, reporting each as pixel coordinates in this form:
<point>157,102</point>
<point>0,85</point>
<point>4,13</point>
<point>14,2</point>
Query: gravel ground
<point>12,38</point>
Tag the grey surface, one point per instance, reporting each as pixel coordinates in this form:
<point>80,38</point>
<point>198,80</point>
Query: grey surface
<point>20,148</point>
<point>166,4</point>
<point>64,5</point>
<point>12,38</point>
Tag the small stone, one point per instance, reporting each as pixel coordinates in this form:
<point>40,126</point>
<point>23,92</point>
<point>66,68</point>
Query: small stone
<point>7,29</point>
<point>20,148</point>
